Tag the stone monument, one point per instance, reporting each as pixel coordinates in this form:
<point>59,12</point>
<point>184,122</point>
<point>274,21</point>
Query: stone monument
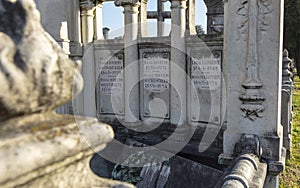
<point>253,32</point>
<point>173,85</point>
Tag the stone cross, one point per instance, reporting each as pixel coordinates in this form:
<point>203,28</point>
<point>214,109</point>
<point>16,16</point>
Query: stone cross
<point>131,58</point>
<point>160,15</point>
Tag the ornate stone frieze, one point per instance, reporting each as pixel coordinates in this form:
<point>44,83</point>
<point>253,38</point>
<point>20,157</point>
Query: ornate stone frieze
<point>254,20</point>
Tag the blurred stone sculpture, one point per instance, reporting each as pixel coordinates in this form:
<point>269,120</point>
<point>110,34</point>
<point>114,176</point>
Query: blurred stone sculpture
<point>36,75</point>
<point>39,148</point>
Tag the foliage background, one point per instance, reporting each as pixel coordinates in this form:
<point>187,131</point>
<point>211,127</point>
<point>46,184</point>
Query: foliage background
<point>291,176</point>
<point>292,30</point>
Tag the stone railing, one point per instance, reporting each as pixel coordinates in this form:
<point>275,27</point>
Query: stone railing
<point>286,101</point>
<point>247,169</point>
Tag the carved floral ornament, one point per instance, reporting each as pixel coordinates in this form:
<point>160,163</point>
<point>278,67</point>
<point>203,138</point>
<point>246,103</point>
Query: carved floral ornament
<point>254,19</point>
<point>264,8</point>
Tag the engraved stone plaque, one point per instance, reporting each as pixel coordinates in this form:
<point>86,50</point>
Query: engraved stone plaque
<point>206,73</point>
<point>155,75</point>
<point>110,85</point>
<point>205,78</point>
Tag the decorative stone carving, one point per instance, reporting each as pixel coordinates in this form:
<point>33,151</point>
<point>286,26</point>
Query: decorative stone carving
<point>255,14</point>
<point>253,74</point>
<point>126,2</point>
<point>86,4</point>
<point>36,75</point>
<point>262,8</point>
<point>286,73</point>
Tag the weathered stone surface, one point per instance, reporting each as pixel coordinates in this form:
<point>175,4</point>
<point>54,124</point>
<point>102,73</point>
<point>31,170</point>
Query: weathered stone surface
<point>252,63</point>
<point>76,175</point>
<point>35,73</point>
<point>245,171</point>
<point>50,150</point>
<point>39,148</point>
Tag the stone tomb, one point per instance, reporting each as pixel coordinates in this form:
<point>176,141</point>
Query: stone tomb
<point>204,83</point>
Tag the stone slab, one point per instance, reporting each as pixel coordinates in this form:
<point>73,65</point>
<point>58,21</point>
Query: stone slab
<point>205,89</point>
<point>155,74</point>
<point>173,173</point>
<point>110,82</point>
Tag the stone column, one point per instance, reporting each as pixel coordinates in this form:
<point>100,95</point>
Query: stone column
<point>178,62</point>
<point>131,59</point>
<point>88,65</point>
<point>75,31</point>
<point>191,17</point>
<point>87,22</point>
<point>143,19</point>
<point>98,33</point>
<point>252,58</point>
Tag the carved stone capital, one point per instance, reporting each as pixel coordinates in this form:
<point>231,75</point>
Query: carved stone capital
<point>127,2</point>
<point>144,1</point>
<point>181,4</point>
<point>86,5</point>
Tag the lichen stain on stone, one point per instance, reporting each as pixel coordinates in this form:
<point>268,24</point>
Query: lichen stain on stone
<point>49,136</point>
<point>48,125</point>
